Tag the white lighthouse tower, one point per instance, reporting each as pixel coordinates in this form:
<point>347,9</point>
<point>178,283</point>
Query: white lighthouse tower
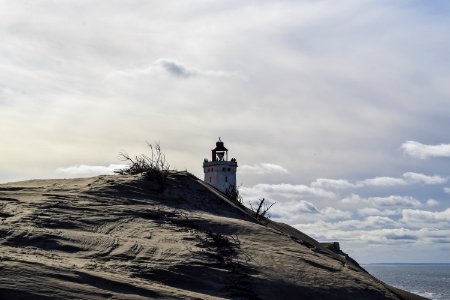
<point>220,172</point>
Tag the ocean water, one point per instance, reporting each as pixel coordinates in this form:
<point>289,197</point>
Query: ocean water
<point>428,280</point>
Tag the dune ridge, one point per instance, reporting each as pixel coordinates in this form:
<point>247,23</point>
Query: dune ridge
<point>120,237</point>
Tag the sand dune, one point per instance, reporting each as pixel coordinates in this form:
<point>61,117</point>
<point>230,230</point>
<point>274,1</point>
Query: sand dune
<point>119,237</point>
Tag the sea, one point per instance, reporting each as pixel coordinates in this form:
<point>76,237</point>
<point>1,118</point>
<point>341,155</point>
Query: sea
<point>428,280</point>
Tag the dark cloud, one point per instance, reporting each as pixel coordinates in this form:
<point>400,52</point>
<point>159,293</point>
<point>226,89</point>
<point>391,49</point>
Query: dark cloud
<point>175,69</point>
<point>401,237</point>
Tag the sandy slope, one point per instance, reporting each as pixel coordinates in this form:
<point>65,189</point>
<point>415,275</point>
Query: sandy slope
<point>118,237</point>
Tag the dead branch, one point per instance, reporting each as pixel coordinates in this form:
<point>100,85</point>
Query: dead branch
<point>261,213</point>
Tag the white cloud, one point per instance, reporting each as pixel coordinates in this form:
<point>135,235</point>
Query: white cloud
<point>438,220</point>
<point>389,201</point>
<point>372,211</point>
<point>262,169</point>
<point>420,215</point>
<point>417,177</point>
<point>332,183</point>
<point>422,151</point>
<point>383,236</point>
<point>293,211</point>
<point>373,230</point>
<point>304,211</point>
<point>86,171</point>
<point>447,190</point>
<point>303,206</point>
<point>331,213</point>
<point>346,229</point>
<point>283,190</point>
<point>369,211</point>
<point>352,199</point>
<point>370,222</point>
<point>4,91</point>
<point>432,202</point>
<point>367,239</point>
<point>394,200</point>
<point>382,181</point>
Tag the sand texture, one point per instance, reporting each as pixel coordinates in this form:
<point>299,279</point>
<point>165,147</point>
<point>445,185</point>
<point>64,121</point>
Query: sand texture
<point>119,237</point>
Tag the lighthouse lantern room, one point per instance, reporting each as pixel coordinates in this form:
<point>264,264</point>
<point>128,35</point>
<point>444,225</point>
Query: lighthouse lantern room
<point>220,172</point>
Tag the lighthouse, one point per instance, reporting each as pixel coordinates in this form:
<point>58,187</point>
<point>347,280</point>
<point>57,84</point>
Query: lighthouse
<point>220,172</point>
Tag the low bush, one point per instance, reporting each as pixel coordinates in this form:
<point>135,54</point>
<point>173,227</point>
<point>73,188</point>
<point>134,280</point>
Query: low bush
<point>155,167</point>
<point>232,193</point>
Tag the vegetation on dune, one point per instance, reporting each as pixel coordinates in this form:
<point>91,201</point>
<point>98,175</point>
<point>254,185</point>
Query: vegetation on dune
<point>260,209</point>
<point>154,166</point>
<point>232,193</point>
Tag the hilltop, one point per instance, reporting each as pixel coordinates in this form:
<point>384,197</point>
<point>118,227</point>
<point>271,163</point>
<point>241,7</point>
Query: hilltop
<point>121,237</point>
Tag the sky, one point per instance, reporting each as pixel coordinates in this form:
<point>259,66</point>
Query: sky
<point>335,110</point>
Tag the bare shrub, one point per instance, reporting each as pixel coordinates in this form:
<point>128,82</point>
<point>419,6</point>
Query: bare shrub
<point>155,167</point>
<point>232,193</point>
<point>261,209</point>
<point>225,246</point>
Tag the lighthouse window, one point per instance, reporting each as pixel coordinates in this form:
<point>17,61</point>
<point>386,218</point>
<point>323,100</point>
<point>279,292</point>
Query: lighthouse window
<point>226,178</point>
<point>223,169</point>
<point>209,179</point>
<point>229,169</point>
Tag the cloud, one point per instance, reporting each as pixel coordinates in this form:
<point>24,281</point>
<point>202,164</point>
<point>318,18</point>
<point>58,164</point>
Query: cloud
<point>304,211</point>
<point>370,222</point>
<point>417,177</point>
<point>86,171</point>
<point>303,206</point>
<point>397,201</point>
<point>389,201</point>
<point>195,92</point>
<point>4,91</point>
<point>447,190</point>
<point>262,169</point>
<point>332,183</point>
<point>384,235</point>
<point>382,181</point>
<point>432,202</point>
<point>373,230</point>
<point>283,190</point>
<point>173,68</point>
<point>5,95</point>
<point>418,217</point>
<point>331,213</point>
<point>372,211</point>
<point>295,210</point>
<point>422,151</point>
<point>353,199</point>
